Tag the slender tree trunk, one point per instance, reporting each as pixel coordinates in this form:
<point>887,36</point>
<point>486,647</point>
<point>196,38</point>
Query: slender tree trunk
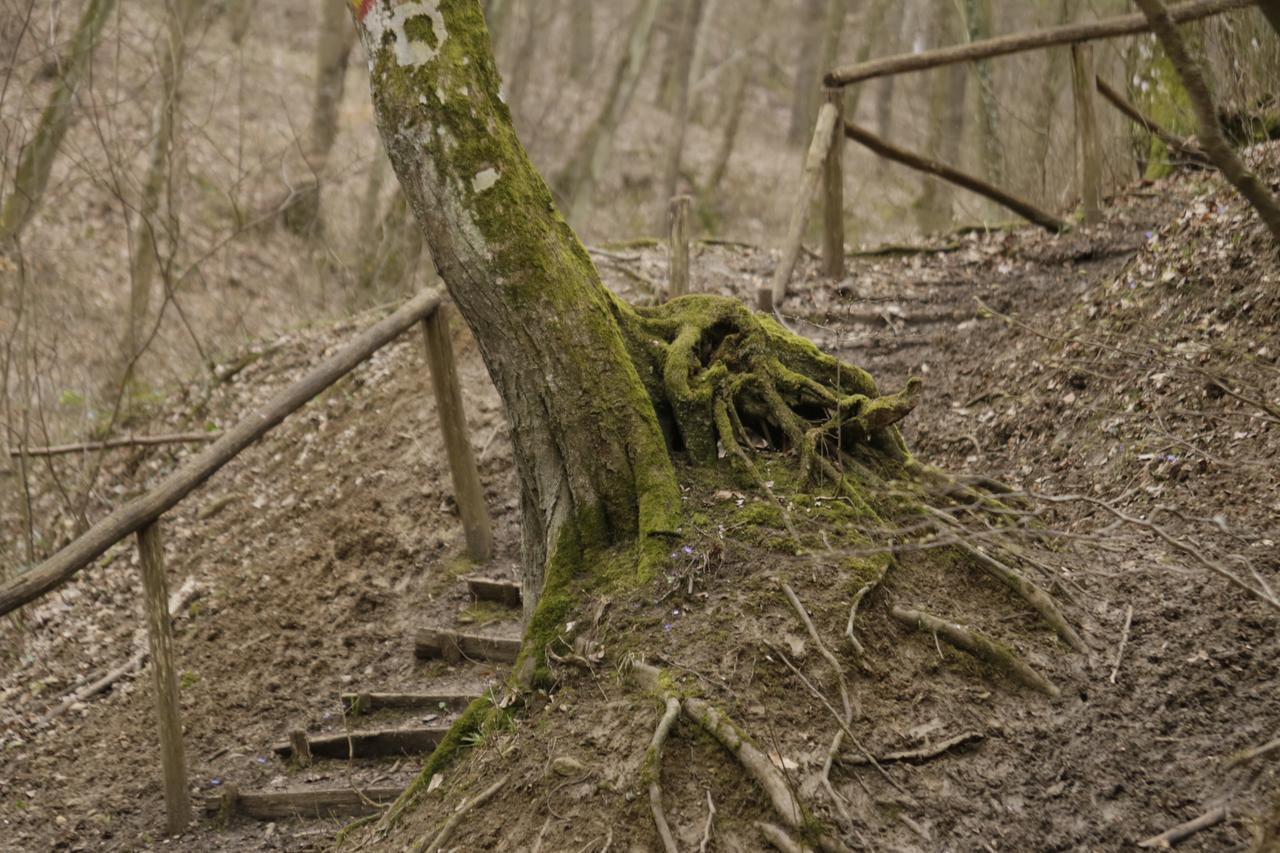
<point>978,27</point>
<point>817,50</point>
<point>582,39</point>
<point>495,13</point>
<point>577,183</point>
<point>144,246</point>
<point>521,63</point>
<point>711,19</point>
<point>1211,137</point>
<point>37,158</point>
<point>946,127</point>
<point>691,12</point>
<point>301,213</point>
<point>239,16</point>
<point>749,27</point>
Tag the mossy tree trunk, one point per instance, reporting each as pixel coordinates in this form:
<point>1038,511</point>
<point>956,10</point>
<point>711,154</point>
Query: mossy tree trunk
<point>598,394</point>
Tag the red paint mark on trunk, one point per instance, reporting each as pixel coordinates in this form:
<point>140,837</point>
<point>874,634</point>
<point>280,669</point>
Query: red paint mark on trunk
<point>363,10</point>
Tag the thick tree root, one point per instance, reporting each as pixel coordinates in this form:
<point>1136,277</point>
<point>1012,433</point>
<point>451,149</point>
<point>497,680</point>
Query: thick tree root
<point>757,765</point>
<point>725,376</point>
<point>977,645</point>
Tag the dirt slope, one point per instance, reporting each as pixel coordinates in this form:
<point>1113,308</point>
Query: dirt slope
<point>1125,373</point>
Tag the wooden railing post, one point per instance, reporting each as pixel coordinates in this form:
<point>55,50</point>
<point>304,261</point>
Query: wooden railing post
<point>467,490</point>
<point>833,194</point>
<point>823,134</point>
<point>165,677</point>
<point>678,246</point>
<point>1084,85</point>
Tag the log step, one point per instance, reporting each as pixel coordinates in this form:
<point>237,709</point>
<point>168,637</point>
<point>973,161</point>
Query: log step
<point>431,644</point>
<point>369,743</point>
<point>498,591</point>
<point>309,803</point>
<point>367,703</point>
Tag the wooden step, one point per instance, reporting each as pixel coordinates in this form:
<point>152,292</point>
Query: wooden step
<point>309,803</point>
<point>492,589</point>
<point>431,644</point>
<point>367,703</point>
<point>369,743</point>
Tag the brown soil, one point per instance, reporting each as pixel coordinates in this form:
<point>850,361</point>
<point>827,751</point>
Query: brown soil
<point>339,540</point>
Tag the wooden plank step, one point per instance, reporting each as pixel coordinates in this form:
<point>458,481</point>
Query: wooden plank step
<point>307,803</point>
<point>367,703</point>
<point>369,743</point>
<point>498,591</point>
<point>432,644</point>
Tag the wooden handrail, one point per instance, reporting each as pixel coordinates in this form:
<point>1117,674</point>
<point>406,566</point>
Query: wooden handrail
<point>1122,25</point>
<point>143,510</point>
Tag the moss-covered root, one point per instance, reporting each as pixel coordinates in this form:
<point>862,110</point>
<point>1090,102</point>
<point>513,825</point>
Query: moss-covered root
<point>653,770</point>
<point>468,723</point>
<point>977,645</point>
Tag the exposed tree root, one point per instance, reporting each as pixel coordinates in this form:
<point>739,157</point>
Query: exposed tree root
<point>726,376</point>
<point>917,756</point>
<point>653,767</point>
<point>863,591</point>
<point>436,843</point>
<point>977,645</point>
<point>756,764</point>
<point>1037,598</point>
<point>777,836</point>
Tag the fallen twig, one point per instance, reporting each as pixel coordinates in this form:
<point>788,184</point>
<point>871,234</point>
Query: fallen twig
<point>178,602</point>
<point>1170,837</point>
<point>1124,639</point>
<point>920,755</point>
<point>1253,754</point>
<point>112,443</point>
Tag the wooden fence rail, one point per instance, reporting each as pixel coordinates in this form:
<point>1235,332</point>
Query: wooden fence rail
<point>822,163</point>
<point>142,515</point>
<point>1123,25</point>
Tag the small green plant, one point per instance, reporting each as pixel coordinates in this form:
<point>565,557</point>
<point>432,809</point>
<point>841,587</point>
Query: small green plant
<point>188,680</point>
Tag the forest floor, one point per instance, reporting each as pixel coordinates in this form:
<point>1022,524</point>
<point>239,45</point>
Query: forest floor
<point>1132,363</point>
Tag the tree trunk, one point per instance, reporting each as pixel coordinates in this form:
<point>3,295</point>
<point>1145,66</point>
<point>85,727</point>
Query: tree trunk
<point>37,157</point>
<point>301,213</point>
<point>577,183</point>
<point>816,54</point>
<point>593,466</point>
<point>582,39</point>
<point>946,128</point>
<point>978,27</point>
<point>160,174</point>
<point>1210,132</point>
<point>691,12</point>
<point>1271,8</point>
<point>593,388</point>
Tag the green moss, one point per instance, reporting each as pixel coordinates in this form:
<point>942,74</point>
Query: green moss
<point>759,513</point>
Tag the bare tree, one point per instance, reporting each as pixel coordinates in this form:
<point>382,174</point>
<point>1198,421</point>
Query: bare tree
<point>36,163</point>
<point>1211,137</point>
<point>301,211</point>
<point>160,180</point>
<point>686,40</point>
<point>586,168</point>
